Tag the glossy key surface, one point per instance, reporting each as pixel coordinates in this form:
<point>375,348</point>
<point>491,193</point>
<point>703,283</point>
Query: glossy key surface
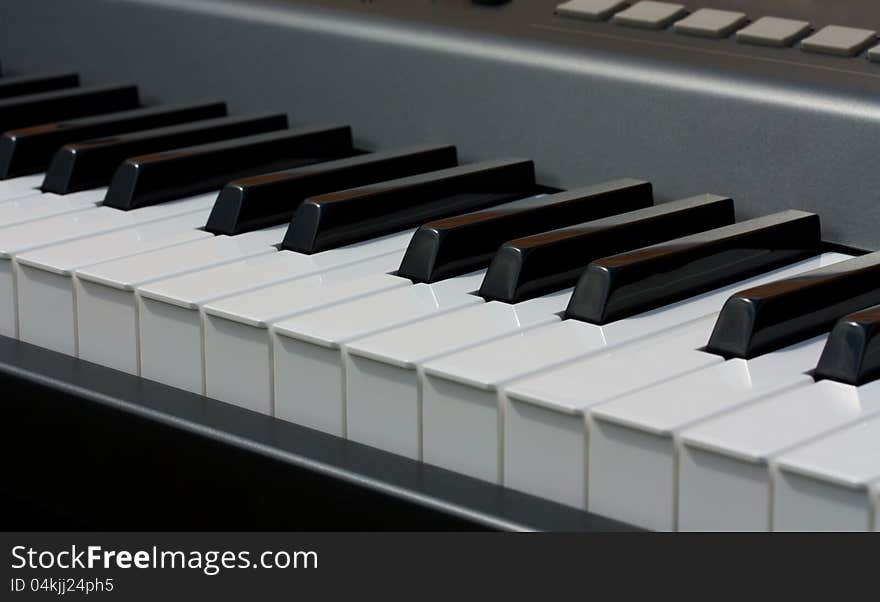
<point>92,163</point>
<point>33,109</point>
<point>774,315</point>
<point>349,216</point>
<point>28,150</point>
<point>35,84</point>
<point>615,287</point>
<point>272,198</point>
<point>463,243</point>
<point>530,266</point>
<point>151,179</point>
<point>852,353</point>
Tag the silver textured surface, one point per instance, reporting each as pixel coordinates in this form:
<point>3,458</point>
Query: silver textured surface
<point>583,117</point>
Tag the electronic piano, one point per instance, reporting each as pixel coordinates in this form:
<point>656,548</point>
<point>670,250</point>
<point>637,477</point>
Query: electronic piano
<point>581,265</point>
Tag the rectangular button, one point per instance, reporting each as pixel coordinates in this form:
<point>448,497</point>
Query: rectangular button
<point>650,15</point>
<point>773,31</point>
<point>838,40</point>
<point>593,10</point>
<point>711,23</point>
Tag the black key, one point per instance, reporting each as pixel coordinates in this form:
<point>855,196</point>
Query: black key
<point>91,164</point>
<point>269,199</point>
<point>464,243</point>
<point>348,216</point>
<point>28,151</point>
<point>769,317</point>
<point>34,84</point>
<point>615,287</point>
<point>152,179</point>
<point>852,352</point>
<point>33,109</point>
<point>551,261</point>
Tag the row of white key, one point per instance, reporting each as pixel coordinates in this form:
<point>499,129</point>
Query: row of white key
<point>18,240</point>
<point>352,390</point>
<point>310,348</point>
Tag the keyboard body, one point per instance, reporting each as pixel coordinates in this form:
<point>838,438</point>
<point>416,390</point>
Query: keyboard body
<point>589,102</point>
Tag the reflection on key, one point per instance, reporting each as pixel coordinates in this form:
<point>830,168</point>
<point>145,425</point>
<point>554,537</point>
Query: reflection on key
<point>633,440</point>
<point>84,165</point>
<point>542,263</point>
<point>150,179</point>
<point>28,151</point>
<point>828,484</point>
<point>43,107</point>
<point>460,244</point>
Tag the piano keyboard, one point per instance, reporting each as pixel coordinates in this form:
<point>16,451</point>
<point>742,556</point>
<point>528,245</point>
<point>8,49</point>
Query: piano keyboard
<point>660,364</point>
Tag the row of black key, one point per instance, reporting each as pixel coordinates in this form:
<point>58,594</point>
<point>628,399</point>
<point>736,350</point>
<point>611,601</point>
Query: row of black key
<point>195,148</point>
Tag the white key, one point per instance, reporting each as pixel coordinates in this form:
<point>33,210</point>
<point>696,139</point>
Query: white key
<point>827,485</point>
<point>24,185</point>
<point>463,398</point>
<point>633,440</point>
<point>40,205</point>
<point>545,412</point>
<point>171,341</point>
<point>16,240</point>
<point>382,371</point>
<point>89,222</point>
<point>46,300</point>
<point>724,479</point>
<point>107,302</point>
<point>309,357</point>
<point>238,345</point>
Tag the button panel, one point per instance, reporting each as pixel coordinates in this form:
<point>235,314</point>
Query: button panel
<point>779,32</point>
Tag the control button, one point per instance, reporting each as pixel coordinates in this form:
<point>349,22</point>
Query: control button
<point>711,23</point>
<point>773,31</point>
<point>874,54</point>
<point>593,10</point>
<point>650,15</point>
<point>842,41</point>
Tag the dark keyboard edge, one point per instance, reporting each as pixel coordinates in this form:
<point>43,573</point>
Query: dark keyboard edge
<point>79,433</point>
